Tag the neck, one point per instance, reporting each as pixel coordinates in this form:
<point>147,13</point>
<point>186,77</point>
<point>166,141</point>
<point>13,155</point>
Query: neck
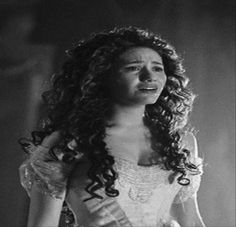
<point>126,116</point>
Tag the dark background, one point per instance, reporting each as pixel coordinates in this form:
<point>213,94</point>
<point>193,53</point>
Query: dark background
<point>34,35</point>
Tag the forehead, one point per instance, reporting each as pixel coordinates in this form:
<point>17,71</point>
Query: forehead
<point>140,54</point>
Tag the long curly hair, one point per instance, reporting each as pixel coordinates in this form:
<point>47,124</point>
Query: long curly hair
<point>78,105</point>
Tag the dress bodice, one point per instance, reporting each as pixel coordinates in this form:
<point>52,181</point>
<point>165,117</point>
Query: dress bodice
<point>146,194</point>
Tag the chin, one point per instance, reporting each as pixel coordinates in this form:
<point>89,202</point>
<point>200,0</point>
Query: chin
<point>151,100</point>
<point>148,101</point>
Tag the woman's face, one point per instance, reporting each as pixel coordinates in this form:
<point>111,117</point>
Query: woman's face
<point>138,77</point>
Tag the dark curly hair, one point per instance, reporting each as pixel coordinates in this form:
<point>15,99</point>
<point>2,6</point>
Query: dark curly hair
<point>78,105</point>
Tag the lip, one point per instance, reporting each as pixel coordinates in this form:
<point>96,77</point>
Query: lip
<point>146,91</point>
<point>148,87</point>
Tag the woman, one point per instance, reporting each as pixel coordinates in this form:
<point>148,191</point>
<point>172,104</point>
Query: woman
<point>115,146</point>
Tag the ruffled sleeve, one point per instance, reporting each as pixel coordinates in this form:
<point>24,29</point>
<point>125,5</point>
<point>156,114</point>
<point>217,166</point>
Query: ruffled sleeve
<point>190,190</point>
<point>48,173</point>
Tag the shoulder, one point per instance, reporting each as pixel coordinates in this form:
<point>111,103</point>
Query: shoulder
<point>51,140</point>
<point>189,142</point>
<point>67,152</point>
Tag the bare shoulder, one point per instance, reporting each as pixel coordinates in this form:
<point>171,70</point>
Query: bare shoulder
<point>52,139</point>
<point>189,142</point>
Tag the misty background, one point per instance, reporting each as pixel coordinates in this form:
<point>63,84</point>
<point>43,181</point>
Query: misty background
<point>34,35</point>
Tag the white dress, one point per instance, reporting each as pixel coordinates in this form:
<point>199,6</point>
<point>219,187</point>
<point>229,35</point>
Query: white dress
<point>146,193</point>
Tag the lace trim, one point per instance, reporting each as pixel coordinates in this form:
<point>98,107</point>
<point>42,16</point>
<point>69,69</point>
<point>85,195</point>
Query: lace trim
<point>141,181</point>
<point>36,171</point>
<point>46,168</point>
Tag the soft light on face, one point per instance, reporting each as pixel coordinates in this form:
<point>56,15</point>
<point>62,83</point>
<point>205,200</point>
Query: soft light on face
<point>138,77</point>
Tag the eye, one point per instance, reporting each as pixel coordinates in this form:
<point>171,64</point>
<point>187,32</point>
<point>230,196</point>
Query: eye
<point>133,68</point>
<point>157,69</point>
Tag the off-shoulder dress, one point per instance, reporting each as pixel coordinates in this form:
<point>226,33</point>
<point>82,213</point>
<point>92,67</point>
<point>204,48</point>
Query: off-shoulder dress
<point>146,193</point>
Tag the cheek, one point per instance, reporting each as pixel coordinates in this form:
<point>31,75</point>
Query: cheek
<point>125,83</point>
<point>162,80</point>
<point>119,89</point>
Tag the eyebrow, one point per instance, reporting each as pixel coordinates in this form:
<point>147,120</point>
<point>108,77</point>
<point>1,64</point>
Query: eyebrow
<point>135,62</point>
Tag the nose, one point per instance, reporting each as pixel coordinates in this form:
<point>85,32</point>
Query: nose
<point>147,75</point>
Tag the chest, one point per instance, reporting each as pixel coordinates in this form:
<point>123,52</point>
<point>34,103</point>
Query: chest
<point>145,197</point>
<point>135,145</point>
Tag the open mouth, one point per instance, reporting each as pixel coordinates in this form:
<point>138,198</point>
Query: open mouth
<point>148,89</point>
